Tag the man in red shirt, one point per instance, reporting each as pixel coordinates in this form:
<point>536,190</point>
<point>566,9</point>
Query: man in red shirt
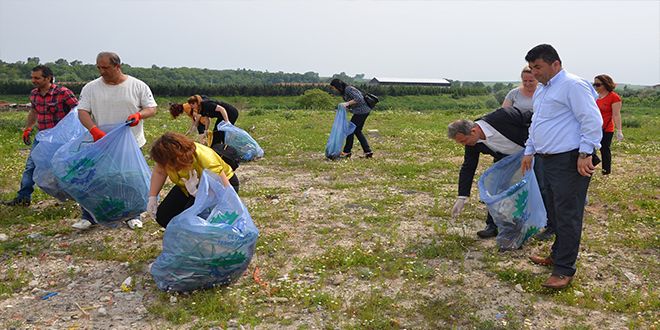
<point>50,103</point>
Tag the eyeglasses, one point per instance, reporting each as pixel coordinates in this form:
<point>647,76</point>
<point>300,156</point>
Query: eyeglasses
<point>597,84</point>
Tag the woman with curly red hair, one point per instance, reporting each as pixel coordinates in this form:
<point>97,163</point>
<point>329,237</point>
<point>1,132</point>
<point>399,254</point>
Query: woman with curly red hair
<point>182,160</point>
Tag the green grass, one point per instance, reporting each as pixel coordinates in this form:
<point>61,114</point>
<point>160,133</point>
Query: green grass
<point>372,243</point>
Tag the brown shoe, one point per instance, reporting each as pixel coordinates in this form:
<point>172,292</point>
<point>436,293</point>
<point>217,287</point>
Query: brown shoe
<point>547,261</point>
<point>557,281</point>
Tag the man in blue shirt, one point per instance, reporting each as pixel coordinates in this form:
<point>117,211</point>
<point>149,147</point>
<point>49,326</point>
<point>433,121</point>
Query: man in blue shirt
<point>565,132</point>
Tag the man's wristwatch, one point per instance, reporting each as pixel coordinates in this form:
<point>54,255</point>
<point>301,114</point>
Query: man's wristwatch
<point>584,155</point>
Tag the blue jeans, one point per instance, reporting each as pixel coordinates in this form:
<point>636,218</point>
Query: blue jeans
<point>27,181</point>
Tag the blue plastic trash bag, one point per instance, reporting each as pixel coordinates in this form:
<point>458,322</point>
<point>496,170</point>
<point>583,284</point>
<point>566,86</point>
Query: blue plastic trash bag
<point>514,201</point>
<point>241,140</point>
<point>210,243</point>
<point>109,178</point>
<point>341,128</point>
<point>48,141</point>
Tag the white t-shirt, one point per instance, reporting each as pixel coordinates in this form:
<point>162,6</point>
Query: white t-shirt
<point>496,141</point>
<point>112,104</point>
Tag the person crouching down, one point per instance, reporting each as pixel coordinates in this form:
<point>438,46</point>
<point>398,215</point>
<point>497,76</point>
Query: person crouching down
<point>182,160</point>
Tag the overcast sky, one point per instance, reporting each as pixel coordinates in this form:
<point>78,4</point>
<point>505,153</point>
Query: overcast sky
<point>462,40</point>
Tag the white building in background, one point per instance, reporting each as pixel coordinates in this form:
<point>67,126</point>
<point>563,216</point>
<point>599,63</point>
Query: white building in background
<point>410,81</point>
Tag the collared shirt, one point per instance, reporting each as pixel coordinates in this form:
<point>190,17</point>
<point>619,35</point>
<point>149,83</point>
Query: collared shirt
<point>565,117</point>
<point>52,106</point>
<point>204,158</point>
<point>496,141</point>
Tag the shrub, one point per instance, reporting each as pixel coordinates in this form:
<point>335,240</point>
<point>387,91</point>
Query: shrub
<point>491,103</point>
<point>316,99</point>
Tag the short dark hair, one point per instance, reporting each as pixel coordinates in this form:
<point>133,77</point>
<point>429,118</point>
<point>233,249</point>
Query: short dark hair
<point>543,51</point>
<point>339,85</point>
<point>113,57</point>
<point>607,82</point>
<point>45,71</point>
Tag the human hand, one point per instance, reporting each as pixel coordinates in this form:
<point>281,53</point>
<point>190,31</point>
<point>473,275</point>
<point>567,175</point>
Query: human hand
<point>191,182</point>
<point>585,166</point>
<point>152,206</point>
<point>134,119</point>
<point>526,163</point>
<point>458,206</point>
<point>26,136</point>
<point>97,133</point>
<point>344,104</point>
<point>619,136</point>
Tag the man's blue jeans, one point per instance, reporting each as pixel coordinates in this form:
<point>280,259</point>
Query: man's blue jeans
<point>27,182</point>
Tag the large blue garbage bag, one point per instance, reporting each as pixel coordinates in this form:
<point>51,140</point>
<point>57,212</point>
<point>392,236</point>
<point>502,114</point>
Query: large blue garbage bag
<point>210,243</point>
<point>247,147</point>
<point>514,201</point>
<point>49,141</point>
<point>341,128</point>
<point>109,178</point>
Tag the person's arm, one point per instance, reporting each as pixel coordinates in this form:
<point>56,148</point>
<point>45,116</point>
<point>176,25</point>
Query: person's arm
<point>223,112</point>
<point>507,103</point>
<point>86,120</point>
<point>468,168</point>
<point>616,117</point>
<point>31,119</point>
<point>585,110</point>
<point>224,179</point>
<point>158,178</point>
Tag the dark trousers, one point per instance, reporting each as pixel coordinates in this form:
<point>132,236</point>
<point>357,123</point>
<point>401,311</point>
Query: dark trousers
<point>177,201</point>
<point>564,192</point>
<point>606,152</point>
<point>358,120</point>
<point>219,136</point>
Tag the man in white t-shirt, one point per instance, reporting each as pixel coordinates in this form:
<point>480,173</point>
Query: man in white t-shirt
<point>114,98</point>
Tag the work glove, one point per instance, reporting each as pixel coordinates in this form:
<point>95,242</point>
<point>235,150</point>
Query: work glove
<point>26,136</point>
<point>344,104</point>
<point>97,133</point>
<point>134,119</point>
<point>152,206</point>
<point>458,206</point>
<point>191,182</point>
<point>619,136</point>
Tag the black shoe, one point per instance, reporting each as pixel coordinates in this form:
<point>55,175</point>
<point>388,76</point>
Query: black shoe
<point>545,235</point>
<point>489,231</point>
<point>604,172</point>
<point>345,155</point>
<point>17,202</point>
<point>368,154</point>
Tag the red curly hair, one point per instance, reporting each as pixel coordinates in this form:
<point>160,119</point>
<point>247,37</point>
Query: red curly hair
<point>174,151</point>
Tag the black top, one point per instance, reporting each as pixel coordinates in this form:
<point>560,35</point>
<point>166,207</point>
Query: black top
<point>208,110</point>
<point>510,122</point>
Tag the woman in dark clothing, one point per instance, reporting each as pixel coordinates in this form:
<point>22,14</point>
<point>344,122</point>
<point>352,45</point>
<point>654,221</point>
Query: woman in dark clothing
<point>358,107</point>
<point>207,108</point>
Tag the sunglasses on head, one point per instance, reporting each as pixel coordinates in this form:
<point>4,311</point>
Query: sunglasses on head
<point>597,84</point>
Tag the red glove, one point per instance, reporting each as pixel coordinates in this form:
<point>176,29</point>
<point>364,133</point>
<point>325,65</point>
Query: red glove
<point>26,136</point>
<point>135,118</point>
<point>97,133</point>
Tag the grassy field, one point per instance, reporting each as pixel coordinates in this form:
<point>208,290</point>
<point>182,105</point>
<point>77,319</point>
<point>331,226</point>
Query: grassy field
<point>351,244</point>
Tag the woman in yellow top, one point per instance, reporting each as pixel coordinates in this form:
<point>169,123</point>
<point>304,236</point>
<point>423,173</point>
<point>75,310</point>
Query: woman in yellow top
<point>182,160</point>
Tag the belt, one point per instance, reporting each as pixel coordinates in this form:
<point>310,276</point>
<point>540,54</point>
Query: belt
<point>553,155</point>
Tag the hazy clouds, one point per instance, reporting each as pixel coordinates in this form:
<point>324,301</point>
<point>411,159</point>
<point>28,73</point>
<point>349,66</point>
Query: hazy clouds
<point>464,40</point>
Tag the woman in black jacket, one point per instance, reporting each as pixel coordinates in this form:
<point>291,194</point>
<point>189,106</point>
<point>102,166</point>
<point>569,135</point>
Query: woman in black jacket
<point>354,103</point>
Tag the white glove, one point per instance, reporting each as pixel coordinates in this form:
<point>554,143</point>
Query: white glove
<point>191,183</point>
<point>619,136</point>
<point>344,104</point>
<point>152,206</point>
<point>458,206</point>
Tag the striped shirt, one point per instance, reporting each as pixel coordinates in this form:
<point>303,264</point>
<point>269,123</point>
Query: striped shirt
<point>53,106</point>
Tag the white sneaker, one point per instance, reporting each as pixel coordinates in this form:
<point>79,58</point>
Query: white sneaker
<point>82,224</point>
<point>134,223</point>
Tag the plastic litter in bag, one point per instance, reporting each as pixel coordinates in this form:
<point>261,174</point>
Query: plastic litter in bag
<point>109,178</point>
<point>341,128</point>
<point>514,201</point>
<point>247,147</point>
<point>210,243</point>
<point>49,141</point>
